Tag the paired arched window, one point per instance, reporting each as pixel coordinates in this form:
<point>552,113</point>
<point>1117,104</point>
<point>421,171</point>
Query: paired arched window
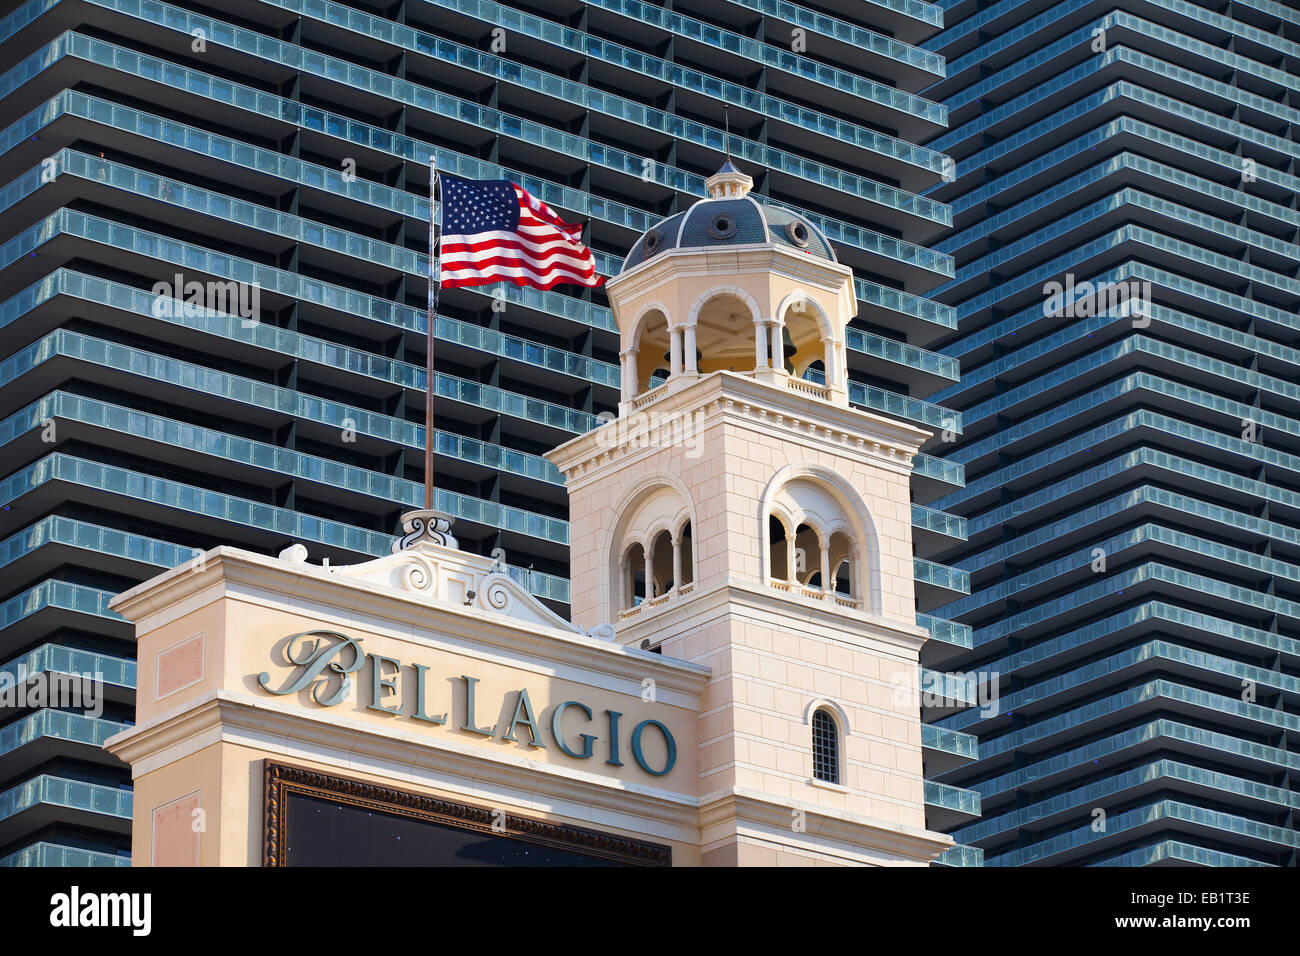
<point>659,566</point>
<point>814,544</point>
<point>825,747</point>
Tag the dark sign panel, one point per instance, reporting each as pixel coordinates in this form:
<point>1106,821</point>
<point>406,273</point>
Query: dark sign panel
<point>317,819</point>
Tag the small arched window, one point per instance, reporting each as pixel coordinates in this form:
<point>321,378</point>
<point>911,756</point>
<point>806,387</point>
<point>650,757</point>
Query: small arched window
<point>826,747</point>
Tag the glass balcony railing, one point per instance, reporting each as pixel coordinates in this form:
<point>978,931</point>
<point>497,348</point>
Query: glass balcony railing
<point>1119,322</point>
<point>240,270</point>
<point>1222,825</point>
<point>1177,851</point>
<point>271,458</point>
<point>59,595</point>
<point>1111,790</point>
<point>1120,126</point>
<point>1119,19</point>
<point>1126,272</point>
<point>1167,541</point>
<point>913,409</point>
<point>575,41</point>
<point>317,351</point>
<point>1144,418</point>
<point>780,59</point>
<point>940,522</point>
<point>1059,685</point>
<point>941,576</point>
<point>903,354</point>
<point>1179,114</point>
<point>201,84</point>
<point>43,853</point>
<point>960,856</point>
<point>1008,38</point>
<point>288,401</point>
<point>1177,8</point>
<point>1110,356</point>
<point>1182,217</point>
<point>953,687</point>
<point>1126,161</point>
<point>818,22</point>
<point>969,24</point>
<point>1093,67</point>
<point>949,797</point>
<point>1184,471</point>
<point>538,81</point>
<point>60,725</point>
<point>57,659</point>
<point>281,461</point>
<point>1120,582</point>
<point>62,792</point>
<point>1213,631</point>
<point>309,232</point>
<point>949,741</point>
<point>1113,704</point>
<point>939,469</point>
<point>1115,744</point>
<point>1069,528</point>
<point>947,632</point>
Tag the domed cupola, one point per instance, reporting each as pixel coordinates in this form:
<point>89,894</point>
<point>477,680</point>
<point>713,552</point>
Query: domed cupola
<point>736,286</point>
<point>730,216</point>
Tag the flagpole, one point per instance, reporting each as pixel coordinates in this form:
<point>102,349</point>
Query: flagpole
<point>435,282</point>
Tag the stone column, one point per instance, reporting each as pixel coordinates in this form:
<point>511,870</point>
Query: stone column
<point>691,367</point>
<point>828,586</point>
<point>628,359</point>
<point>675,351</point>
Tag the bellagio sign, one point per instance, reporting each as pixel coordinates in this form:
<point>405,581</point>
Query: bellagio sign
<point>325,661</point>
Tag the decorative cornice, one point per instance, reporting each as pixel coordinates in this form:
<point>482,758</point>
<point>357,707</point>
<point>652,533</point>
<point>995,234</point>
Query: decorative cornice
<point>728,396</point>
<point>727,812</point>
<point>768,604</point>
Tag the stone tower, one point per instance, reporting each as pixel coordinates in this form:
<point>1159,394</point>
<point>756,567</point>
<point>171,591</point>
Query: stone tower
<point>741,515</point>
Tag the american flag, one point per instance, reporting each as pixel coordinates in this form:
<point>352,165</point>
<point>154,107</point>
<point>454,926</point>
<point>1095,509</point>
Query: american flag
<point>493,231</point>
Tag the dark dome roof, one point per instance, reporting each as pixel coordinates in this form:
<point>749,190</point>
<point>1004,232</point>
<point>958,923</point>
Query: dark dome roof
<point>730,222</point>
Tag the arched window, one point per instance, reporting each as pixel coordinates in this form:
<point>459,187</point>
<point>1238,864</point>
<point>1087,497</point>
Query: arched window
<point>826,747</point>
<point>685,547</point>
<point>634,581</point>
<point>819,539</point>
<point>662,560</point>
<point>778,551</point>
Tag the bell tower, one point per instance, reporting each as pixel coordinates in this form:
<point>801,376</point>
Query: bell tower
<point>741,515</point>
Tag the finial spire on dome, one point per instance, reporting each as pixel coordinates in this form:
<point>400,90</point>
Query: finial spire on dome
<point>728,182</point>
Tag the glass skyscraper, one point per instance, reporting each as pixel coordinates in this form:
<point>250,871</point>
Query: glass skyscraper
<point>273,155</point>
<point>1127,296</point>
